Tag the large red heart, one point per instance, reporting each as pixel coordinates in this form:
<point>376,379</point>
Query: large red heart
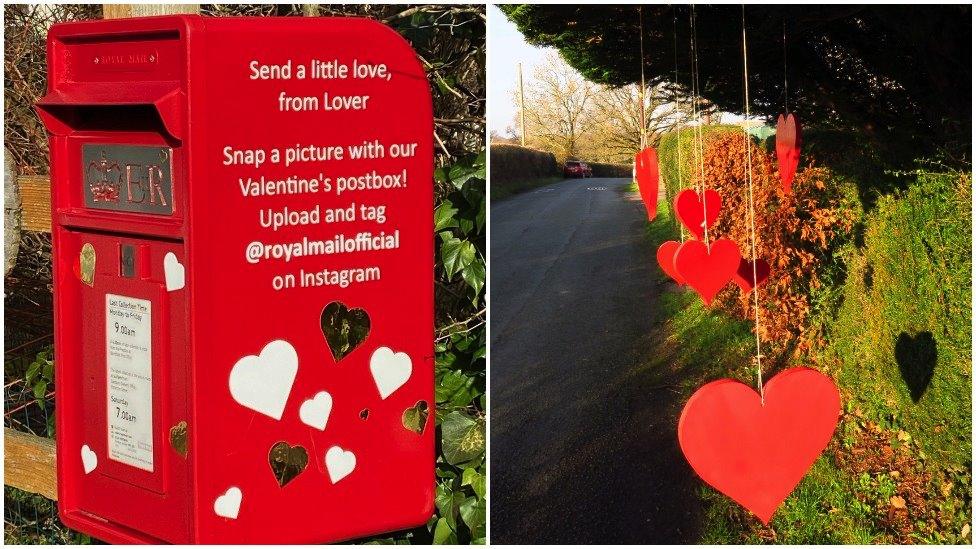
<point>706,269</point>
<point>689,210</point>
<point>757,453</point>
<point>646,170</point>
<point>787,149</point>
<point>665,258</point>
<point>743,275</point>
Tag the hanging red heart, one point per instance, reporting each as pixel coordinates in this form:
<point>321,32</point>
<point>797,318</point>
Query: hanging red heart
<point>757,453</point>
<point>646,171</point>
<point>665,258</point>
<point>689,210</point>
<point>706,269</point>
<point>743,275</point>
<point>787,149</point>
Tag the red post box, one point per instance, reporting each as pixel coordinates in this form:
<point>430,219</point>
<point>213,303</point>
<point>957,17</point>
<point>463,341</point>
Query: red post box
<point>243,269</point>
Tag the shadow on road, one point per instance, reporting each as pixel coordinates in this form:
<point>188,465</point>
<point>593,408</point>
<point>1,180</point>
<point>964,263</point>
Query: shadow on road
<point>583,433</point>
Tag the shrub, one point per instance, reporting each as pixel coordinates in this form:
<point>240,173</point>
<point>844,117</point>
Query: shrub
<point>512,162</point>
<point>800,234</point>
<point>907,314</point>
<point>611,170</point>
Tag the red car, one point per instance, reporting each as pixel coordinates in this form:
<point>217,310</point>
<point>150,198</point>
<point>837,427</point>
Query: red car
<point>575,168</point>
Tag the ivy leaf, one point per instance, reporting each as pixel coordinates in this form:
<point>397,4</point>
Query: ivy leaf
<point>456,254</point>
<point>474,275</point>
<point>467,168</point>
<point>475,480</point>
<point>444,216</point>
<point>454,387</point>
<point>462,438</point>
<point>32,371</point>
<point>473,512</point>
<point>443,535</point>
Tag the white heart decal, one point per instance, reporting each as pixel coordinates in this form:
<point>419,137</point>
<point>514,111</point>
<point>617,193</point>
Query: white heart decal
<point>315,411</point>
<point>390,370</point>
<point>228,505</point>
<point>175,273</point>
<point>88,459</point>
<point>263,383</point>
<point>339,462</point>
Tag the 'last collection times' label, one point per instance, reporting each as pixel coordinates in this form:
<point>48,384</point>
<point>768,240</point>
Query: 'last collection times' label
<point>128,332</point>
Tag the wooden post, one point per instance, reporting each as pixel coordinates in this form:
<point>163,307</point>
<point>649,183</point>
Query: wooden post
<point>521,105</point>
<point>117,11</point>
<point>29,463</point>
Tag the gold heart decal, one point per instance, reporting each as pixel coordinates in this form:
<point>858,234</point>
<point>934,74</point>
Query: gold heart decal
<point>177,438</point>
<point>344,328</point>
<point>287,462</point>
<point>415,418</point>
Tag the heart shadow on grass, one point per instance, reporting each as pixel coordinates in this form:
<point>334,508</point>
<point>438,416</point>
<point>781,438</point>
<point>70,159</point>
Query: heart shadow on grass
<point>916,357</point>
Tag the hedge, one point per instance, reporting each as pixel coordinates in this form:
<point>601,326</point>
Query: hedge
<point>512,162</point>
<point>612,170</point>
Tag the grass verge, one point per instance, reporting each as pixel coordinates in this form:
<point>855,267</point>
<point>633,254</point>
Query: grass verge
<point>895,472</point>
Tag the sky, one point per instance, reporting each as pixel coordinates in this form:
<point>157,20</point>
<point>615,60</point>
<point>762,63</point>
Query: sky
<point>507,48</point>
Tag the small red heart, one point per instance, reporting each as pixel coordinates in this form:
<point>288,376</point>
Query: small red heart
<point>743,276</point>
<point>646,169</point>
<point>757,453</point>
<point>706,269</point>
<point>665,258</point>
<point>787,149</point>
<point>690,211</point>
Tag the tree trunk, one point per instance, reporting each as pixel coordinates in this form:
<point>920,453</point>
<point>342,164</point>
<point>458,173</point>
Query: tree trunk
<point>11,214</point>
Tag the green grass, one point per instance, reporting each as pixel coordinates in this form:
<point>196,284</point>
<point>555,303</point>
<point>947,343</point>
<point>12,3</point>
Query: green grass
<point>504,189</point>
<point>912,284</point>
<point>911,272</point>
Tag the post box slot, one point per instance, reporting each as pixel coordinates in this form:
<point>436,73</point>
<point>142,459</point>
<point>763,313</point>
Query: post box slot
<point>109,117</point>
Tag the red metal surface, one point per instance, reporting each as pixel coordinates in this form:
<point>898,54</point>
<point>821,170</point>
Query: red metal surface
<point>788,140</point>
<point>754,453</point>
<point>707,269</point>
<point>743,277</point>
<point>688,208</point>
<point>646,168</point>
<point>665,258</point>
<point>195,97</point>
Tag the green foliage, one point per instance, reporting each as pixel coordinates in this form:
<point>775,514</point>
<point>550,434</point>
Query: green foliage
<point>683,144</point>
<point>909,273</point>
<point>871,70</point>
<point>30,519</point>
<point>601,169</point>
<point>515,169</point>
<point>913,276</point>
<point>460,356</point>
<point>40,379</point>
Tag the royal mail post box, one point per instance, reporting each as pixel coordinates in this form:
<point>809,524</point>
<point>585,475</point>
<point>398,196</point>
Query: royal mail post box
<point>243,259</point>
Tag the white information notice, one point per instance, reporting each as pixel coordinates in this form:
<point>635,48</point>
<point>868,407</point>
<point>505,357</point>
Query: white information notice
<point>128,330</point>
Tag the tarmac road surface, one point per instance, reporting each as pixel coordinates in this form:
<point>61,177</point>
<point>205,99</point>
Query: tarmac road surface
<point>583,443</point>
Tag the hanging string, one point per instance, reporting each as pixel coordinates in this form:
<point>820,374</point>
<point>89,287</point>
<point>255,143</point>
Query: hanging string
<point>752,209</point>
<point>694,102</point>
<point>786,89</point>
<point>701,134</point>
<point>643,88</point>
<point>674,13</point>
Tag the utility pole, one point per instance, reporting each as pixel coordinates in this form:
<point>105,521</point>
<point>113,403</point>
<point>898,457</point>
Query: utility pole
<point>521,105</point>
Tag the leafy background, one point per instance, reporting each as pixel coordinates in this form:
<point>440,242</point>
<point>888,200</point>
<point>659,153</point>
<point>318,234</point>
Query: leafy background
<point>450,42</point>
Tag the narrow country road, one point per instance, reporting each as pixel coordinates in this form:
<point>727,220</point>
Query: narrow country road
<point>583,444</point>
